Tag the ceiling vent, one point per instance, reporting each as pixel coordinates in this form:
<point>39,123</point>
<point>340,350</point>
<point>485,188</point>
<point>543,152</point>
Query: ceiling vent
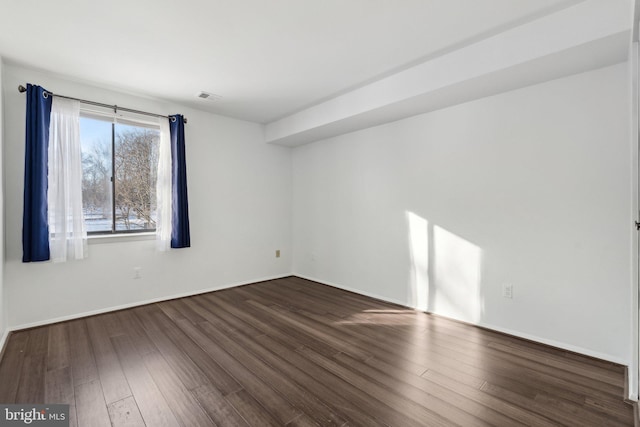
<point>208,96</point>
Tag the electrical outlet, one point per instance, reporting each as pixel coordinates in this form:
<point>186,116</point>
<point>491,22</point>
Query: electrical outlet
<point>137,272</point>
<point>507,290</point>
<point>277,253</point>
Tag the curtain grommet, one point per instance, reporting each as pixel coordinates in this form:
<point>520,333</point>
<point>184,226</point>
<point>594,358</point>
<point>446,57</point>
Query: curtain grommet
<point>45,95</point>
<point>173,119</point>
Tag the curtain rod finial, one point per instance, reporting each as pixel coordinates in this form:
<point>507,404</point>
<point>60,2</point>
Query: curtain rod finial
<point>22,89</point>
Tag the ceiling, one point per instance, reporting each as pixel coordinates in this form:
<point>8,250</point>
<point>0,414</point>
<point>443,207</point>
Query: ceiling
<point>267,59</point>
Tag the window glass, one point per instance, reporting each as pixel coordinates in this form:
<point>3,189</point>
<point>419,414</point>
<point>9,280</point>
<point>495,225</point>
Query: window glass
<point>95,136</point>
<point>128,152</point>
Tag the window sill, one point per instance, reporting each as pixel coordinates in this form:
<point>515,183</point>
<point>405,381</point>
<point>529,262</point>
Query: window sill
<point>120,238</point>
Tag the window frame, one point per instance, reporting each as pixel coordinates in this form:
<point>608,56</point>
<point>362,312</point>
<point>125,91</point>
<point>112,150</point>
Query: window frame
<point>114,118</point>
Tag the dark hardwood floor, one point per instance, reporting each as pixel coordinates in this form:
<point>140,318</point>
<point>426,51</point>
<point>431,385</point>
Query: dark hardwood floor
<point>296,353</point>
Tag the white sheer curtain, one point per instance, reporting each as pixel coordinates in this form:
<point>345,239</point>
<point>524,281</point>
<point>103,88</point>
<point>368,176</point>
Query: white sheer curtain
<point>163,188</point>
<point>67,233</point>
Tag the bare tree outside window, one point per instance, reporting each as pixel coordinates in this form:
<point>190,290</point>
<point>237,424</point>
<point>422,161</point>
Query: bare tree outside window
<point>96,179</point>
<point>136,160</point>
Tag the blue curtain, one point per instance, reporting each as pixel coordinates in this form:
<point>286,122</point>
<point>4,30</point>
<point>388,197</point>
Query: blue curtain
<point>180,237</point>
<point>35,228</point>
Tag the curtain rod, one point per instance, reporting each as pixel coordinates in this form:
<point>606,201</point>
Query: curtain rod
<point>23,89</point>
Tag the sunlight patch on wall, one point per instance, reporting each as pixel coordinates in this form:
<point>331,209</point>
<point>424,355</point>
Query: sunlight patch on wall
<point>457,276</point>
<point>419,252</point>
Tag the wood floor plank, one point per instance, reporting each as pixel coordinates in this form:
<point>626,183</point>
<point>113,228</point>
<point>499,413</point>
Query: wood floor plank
<point>125,413</point>
<point>279,292</point>
<point>112,324</point>
<point>534,367</point>
<point>11,366</point>
<point>450,405</point>
<point>32,376</point>
<point>454,392</point>
<point>182,403</point>
<point>114,384</point>
<point>292,352</point>
<point>539,356</point>
<point>59,386</point>
<point>245,320</point>
<point>83,364</point>
<point>560,417</point>
<point>206,306</point>
<point>251,410</point>
<point>215,374</point>
<point>377,345</point>
<point>380,413</point>
<point>234,328</point>
<point>488,338</point>
<point>311,385</point>
<point>218,408</point>
<point>190,374</point>
<point>613,409</point>
<point>528,384</point>
<point>279,407</point>
<point>295,395</point>
<point>318,332</point>
<point>153,407</point>
<point>417,413</point>
<point>132,327</point>
<point>441,361</point>
<point>429,356</point>
<point>303,421</point>
<point>278,328</point>
<point>179,309</point>
<point>59,389</point>
<point>58,355</point>
<point>90,405</point>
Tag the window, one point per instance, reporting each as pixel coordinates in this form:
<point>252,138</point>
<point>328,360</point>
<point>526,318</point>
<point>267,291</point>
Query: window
<point>119,171</point>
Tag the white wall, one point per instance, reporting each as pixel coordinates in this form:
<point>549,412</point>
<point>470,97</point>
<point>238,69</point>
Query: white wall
<point>3,304</point>
<point>239,205</point>
<point>529,188</point>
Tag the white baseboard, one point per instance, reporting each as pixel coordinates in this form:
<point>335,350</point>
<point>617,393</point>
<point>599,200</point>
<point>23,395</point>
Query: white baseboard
<point>139,303</point>
<point>552,343</point>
